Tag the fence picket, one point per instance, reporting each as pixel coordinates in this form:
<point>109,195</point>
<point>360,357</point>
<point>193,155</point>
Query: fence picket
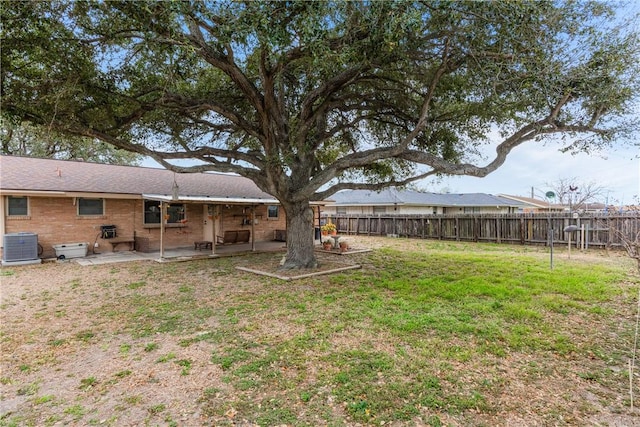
<point>600,229</point>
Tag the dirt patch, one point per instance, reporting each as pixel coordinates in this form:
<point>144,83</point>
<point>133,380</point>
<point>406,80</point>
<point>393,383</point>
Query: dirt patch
<point>72,355</point>
<point>327,264</point>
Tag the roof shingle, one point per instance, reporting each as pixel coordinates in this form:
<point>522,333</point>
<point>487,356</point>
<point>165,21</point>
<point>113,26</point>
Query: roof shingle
<point>392,196</point>
<point>33,174</point>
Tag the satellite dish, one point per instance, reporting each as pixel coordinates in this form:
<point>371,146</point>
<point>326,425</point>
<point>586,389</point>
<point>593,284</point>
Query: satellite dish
<point>550,195</point>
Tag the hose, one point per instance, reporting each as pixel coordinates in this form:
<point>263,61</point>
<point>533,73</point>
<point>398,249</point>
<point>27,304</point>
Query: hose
<point>93,248</point>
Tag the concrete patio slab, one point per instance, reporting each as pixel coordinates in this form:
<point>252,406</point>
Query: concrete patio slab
<point>178,254</point>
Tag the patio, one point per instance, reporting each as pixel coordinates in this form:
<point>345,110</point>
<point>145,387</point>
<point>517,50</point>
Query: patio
<point>179,254</point>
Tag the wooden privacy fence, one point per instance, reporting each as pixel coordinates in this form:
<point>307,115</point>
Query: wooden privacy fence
<point>594,230</point>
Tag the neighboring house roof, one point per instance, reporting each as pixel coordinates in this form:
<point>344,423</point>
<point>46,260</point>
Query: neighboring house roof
<point>535,203</point>
<point>392,196</point>
<point>25,174</point>
<point>598,206</point>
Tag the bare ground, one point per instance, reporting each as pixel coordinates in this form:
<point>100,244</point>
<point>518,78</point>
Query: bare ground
<point>65,361</point>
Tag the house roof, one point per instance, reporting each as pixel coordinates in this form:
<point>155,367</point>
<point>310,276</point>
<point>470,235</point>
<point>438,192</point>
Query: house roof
<point>26,174</point>
<point>536,203</point>
<point>392,196</point>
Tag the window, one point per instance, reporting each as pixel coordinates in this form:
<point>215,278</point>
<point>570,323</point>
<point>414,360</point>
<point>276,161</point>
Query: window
<point>272,212</point>
<point>379,209</point>
<point>471,209</point>
<point>175,211</point>
<point>17,206</point>
<point>90,206</point>
<point>341,210</point>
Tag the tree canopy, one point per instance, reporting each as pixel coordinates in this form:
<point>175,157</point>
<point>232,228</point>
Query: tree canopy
<point>308,98</point>
<point>25,139</point>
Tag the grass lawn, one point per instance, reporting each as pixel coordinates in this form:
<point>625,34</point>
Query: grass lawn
<point>426,333</point>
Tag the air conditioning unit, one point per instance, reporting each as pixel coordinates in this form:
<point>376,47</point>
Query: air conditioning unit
<point>20,248</point>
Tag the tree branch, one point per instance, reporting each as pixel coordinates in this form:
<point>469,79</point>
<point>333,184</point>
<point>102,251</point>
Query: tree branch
<point>225,64</point>
<point>323,195</point>
<point>307,114</point>
<point>199,105</point>
<point>359,159</point>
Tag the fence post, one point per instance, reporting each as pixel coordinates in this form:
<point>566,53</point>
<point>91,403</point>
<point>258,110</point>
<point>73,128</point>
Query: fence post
<point>498,230</point>
<point>475,229</point>
<point>587,239</point>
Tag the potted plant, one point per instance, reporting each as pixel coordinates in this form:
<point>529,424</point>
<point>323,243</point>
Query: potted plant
<point>344,245</point>
<point>327,244</point>
<point>329,228</point>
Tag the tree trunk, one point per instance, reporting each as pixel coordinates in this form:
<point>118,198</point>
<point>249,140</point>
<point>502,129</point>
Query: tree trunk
<point>300,237</point>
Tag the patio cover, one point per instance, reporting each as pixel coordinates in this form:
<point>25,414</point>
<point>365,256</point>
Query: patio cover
<point>206,199</point>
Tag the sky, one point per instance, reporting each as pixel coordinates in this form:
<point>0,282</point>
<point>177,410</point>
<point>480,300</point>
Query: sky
<point>532,166</point>
<point>536,167</point>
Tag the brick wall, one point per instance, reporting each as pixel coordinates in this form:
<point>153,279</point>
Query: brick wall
<point>175,235</point>
<point>55,221</point>
<point>239,217</point>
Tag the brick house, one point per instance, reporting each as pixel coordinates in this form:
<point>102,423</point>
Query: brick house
<point>69,201</point>
<point>392,201</point>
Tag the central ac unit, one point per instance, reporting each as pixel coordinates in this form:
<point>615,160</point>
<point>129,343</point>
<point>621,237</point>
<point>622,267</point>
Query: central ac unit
<point>20,247</point>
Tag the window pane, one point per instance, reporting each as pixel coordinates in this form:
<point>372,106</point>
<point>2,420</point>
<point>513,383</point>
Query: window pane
<point>379,209</point>
<point>341,209</point>
<point>18,206</point>
<point>272,211</point>
<point>90,206</point>
<point>151,212</point>
<point>176,212</point>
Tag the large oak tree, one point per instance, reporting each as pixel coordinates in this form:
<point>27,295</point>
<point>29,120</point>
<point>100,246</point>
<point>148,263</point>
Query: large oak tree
<point>308,98</point>
<point>25,139</point>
